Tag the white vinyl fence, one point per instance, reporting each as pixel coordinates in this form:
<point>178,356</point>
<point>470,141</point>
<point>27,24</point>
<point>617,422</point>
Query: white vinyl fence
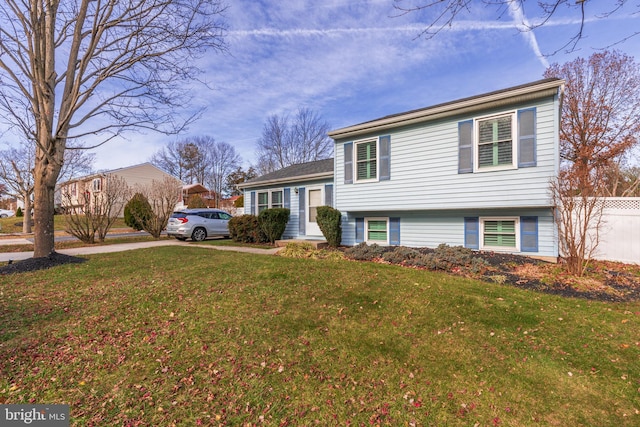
<point>620,230</point>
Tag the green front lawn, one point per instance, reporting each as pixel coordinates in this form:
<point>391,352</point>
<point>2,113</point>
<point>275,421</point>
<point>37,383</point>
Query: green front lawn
<point>14,224</point>
<point>229,242</point>
<point>69,244</point>
<point>189,336</point>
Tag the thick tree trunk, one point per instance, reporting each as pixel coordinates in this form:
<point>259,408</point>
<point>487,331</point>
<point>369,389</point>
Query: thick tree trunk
<point>27,218</point>
<point>43,208</point>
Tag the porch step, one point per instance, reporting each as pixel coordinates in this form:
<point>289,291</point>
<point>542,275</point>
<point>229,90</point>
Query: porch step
<point>317,244</point>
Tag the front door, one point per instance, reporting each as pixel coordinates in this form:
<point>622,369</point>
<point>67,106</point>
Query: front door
<point>315,198</point>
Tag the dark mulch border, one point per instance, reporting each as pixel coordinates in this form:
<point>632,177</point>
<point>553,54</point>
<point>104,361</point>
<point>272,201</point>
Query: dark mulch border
<point>626,290</point>
<point>41,263</point>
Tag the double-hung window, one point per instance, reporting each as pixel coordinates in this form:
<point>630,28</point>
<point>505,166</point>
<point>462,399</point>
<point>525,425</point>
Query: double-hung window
<point>495,142</point>
<point>276,199</point>
<point>383,231</point>
<point>97,184</point>
<point>500,234</point>
<point>366,160</point>
<point>263,201</point>
<point>498,142</point>
<point>377,230</point>
<point>269,199</point>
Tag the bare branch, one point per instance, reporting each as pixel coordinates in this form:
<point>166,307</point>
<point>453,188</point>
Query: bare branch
<point>286,142</point>
<point>600,118</point>
<point>91,212</point>
<point>74,68</point>
<point>443,14</point>
<point>163,196</point>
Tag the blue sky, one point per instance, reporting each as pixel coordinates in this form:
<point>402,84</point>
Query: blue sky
<point>353,61</point>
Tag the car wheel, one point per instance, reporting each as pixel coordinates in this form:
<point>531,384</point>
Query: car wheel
<point>4,216</point>
<point>199,234</point>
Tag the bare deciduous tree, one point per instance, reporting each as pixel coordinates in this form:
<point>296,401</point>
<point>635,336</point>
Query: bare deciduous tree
<point>80,67</point>
<point>199,159</point>
<point>600,119</point>
<point>578,215</point>
<point>185,159</point>
<point>285,142</point>
<point>600,122</point>
<point>621,179</point>
<point>16,170</point>
<point>162,196</point>
<point>222,160</point>
<point>99,210</point>
<point>443,14</point>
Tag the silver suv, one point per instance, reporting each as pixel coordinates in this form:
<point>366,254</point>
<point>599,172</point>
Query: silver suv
<point>198,224</point>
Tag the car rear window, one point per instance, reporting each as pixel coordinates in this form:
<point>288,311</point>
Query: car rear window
<point>178,215</point>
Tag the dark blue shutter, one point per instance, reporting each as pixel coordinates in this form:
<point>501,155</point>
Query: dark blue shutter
<point>394,231</point>
<point>385,158</point>
<point>287,198</point>
<point>348,163</point>
<point>252,204</point>
<point>359,230</point>
<point>529,234</point>
<point>527,138</point>
<point>302,216</point>
<point>472,233</point>
<point>465,147</point>
<point>328,195</point>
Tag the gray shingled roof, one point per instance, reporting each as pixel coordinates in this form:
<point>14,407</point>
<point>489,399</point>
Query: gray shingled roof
<point>318,168</point>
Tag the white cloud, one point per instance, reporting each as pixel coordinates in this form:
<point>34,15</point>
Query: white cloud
<point>524,26</point>
<point>351,61</point>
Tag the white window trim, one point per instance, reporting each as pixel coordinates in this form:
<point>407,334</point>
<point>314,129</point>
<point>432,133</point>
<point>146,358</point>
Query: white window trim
<point>355,160</point>
<point>99,185</point>
<point>500,248</point>
<point>514,142</point>
<point>366,229</point>
<point>269,199</point>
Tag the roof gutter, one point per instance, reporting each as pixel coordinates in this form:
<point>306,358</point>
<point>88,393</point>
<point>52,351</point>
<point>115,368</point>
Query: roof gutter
<point>465,106</point>
<point>309,177</point>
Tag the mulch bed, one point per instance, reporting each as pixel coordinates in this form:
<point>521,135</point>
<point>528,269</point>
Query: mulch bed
<point>614,284</point>
<point>41,263</point>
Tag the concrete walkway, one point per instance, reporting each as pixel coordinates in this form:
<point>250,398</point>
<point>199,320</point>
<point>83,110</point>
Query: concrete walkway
<point>90,250</point>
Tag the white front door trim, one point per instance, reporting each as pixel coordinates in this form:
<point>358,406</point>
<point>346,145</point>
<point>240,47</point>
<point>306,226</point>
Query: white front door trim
<point>315,198</point>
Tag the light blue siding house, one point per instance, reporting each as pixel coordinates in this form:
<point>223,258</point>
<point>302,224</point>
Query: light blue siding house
<point>472,172</point>
<point>301,188</point>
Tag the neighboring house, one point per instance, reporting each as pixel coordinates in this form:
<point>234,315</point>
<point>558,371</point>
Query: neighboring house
<point>472,172</point>
<point>301,188</point>
<point>208,197</point>
<point>90,185</point>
